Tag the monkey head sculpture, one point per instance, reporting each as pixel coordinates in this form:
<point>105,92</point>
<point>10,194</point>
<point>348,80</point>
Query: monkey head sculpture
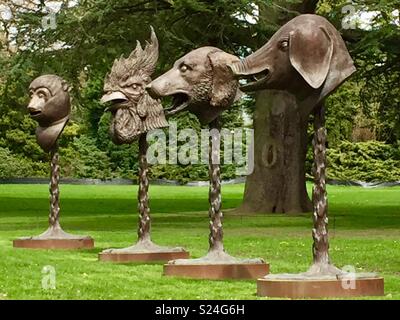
<point>50,106</point>
<point>133,110</point>
<point>306,57</point>
<point>199,82</point>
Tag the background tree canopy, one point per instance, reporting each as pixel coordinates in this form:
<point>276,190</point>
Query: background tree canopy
<point>363,115</point>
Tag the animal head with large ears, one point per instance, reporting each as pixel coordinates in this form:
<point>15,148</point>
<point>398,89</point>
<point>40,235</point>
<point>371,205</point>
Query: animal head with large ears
<point>200,82</point>
<point>304,55</point>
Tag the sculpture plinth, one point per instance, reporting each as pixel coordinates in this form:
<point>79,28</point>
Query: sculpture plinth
<point>299,287</point>
<point>50,107</point>
<point>217,265</point>
<point>143,251</point>
<point>75,242</point>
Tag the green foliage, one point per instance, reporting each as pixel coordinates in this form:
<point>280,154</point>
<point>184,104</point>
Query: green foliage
<point>364,161</point>
<point>341,110</point>
<point>12,166</point>
<point>91,34</point>
<point>376,51</point>
<point>82,159</point>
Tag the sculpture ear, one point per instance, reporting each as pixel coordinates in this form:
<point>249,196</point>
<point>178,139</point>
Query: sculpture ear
<point>310,53</point>
<point>66,87</point>
<point>224,86</point>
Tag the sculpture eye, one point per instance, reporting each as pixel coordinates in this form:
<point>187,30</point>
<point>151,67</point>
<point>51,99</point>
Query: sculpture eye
<point>41,95</point>
<point>135,86</point>
<point>184,68</point>
<point>284,45</point>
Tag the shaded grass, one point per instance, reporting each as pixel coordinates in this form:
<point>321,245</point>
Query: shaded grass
<point>364,229</point>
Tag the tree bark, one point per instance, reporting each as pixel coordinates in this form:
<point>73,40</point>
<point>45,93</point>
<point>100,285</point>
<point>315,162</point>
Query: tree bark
<point>278,182</point>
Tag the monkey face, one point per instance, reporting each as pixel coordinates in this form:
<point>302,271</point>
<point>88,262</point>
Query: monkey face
<point>50,107</point>
<point>50,100</point>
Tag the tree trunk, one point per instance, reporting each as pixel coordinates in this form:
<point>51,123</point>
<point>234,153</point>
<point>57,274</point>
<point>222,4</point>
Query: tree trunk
<point>278,182</point>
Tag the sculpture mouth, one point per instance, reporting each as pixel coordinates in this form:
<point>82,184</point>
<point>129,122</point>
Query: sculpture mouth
<point>256,81</point>
<point>34,113</point>
<point>118,104</point>
<point>180,101</point>
<point>116,100</point>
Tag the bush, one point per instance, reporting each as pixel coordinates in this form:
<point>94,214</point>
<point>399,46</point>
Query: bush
<point>15,166</point>
<point>82,159</point>
<point>364,161</point>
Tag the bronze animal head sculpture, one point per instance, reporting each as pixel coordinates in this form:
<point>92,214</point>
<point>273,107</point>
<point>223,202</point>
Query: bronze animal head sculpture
<point>306,57</point>
<point>200,82</point>
<point>50,106</point>
<point>133,110</point>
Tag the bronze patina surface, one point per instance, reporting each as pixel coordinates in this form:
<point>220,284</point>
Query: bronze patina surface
<point>134,113</point>
<point>202,83</point>
<point>50,107</point>
<point>307,58</point>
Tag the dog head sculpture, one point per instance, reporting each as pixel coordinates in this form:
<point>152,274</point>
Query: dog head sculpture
<point>133,110</point>
<point>50,106</point>
<point>200,82</point>
<point>307,56</point>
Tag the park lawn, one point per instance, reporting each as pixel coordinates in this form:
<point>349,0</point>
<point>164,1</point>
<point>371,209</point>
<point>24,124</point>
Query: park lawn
<point>364,233</point>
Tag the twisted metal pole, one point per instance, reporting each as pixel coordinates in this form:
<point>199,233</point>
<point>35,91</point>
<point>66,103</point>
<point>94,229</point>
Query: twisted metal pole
<point>143,195</point>
<point>215,213</point>
<point>320,201</point>
<point>54,214</point>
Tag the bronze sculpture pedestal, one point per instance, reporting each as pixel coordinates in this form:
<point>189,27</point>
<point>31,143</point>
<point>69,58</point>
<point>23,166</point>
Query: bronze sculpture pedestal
<point>319,286</point>
<point>323,279</point>
<point>55,240</point>
<point>144,250</point>
<point>217,264</point>
<point>54,237</point>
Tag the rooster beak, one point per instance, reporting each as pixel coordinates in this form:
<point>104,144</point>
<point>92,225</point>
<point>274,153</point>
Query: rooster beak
<point>112,96</point>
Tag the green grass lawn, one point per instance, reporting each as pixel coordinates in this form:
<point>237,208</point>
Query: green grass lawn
<point>364,232</point>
